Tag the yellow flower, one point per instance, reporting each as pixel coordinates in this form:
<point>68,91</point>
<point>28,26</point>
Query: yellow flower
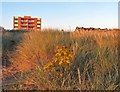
<point>67,61</point>
<point>45,68</point>
<point>57,54</point>
<point>70,55</point>
<point>62,59</point>
<point>67,58</point>
<point>60,62</point>
<point>65,53</point>
<point>59,50</point>
<point>61,74</point>
<point>48,65</point>
<point>53,69</point>
<point>55,60</point>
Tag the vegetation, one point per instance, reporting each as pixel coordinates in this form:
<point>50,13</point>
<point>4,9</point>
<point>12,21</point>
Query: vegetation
<point>54,60</point>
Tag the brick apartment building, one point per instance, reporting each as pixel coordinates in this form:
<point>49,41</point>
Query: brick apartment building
<point>26,23</point>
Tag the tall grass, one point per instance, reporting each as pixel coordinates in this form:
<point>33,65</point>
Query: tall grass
<point>9,41</point>
<point>94,64</point>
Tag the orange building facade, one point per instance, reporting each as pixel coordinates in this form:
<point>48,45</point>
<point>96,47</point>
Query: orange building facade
<point>26,23</point>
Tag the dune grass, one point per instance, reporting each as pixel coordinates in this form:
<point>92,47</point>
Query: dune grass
<point>94,65</point>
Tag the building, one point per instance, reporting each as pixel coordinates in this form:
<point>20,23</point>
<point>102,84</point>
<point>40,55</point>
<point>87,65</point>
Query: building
<point>26,23</point>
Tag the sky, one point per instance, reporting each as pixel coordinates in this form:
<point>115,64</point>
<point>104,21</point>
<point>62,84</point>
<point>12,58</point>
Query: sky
<point>60,0</point>
<point>63,15</point>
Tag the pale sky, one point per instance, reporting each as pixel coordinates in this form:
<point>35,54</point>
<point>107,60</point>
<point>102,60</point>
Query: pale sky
<point>63,15</point>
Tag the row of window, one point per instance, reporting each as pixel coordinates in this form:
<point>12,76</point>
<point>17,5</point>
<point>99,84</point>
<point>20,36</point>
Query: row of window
<point>27,20</point>
<point>25,28</point>
<point>27,25</point>
<point>16,22</point>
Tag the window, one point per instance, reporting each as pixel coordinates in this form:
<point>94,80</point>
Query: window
<point>38,25</point>
<point>15,24</point>
<point>15,28</point>
<point>30,20</point>
<point>16,16</point>
<point>38,22</point>
<point>16,21</point>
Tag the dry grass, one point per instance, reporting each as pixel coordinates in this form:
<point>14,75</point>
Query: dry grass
<point>94,66</point>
